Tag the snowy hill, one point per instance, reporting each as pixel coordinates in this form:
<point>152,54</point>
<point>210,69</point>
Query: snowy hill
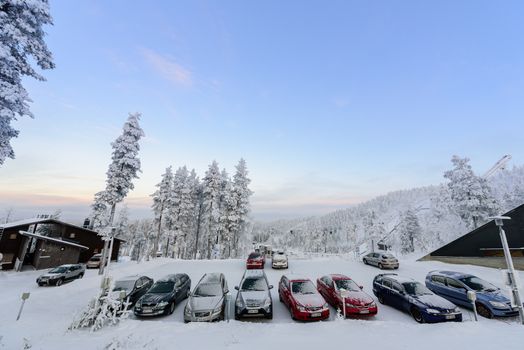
<point>386,218</point>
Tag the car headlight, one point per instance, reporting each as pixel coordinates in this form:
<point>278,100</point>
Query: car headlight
<point>325,306</point>
<point>301,308</point>
<point>267,303</point>
<point>218,310</point>
<point>498,305</point>
<point>162,304</point>
<point>239,302</point>
<point>372,304</point>
<point>187,310</point>
<point>432,311</point>
<point>456,309</point>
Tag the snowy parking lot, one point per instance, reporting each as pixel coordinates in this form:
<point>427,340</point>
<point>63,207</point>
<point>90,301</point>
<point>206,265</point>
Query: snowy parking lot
<point>50,310</point>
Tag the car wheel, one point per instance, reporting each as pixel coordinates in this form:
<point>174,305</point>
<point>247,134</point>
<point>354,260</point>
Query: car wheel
<point>172,308</point>
<point>417,315</point>
<point>80,276</point>
<point>380,266</point>
<point>41,284</point>
<point>269,316</point>
<point>237,317</point>
<point>280,298</point>
<point>59,282</point>
<point>484,311</point>
<point>380,298</point>
<point>365,262</point>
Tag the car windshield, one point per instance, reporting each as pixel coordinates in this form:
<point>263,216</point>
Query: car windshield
<point>59,269</point>
<point>387,256</point>
<point>303,287</point>
<point>415,288</point>
<point>207,290</point>
<point>126,285</point>
<point>254,256</point>
<point>254,284</point>
<point>162,287</point>
<point>478,284</point>
<point>95,258</point>
<point>347,285</point>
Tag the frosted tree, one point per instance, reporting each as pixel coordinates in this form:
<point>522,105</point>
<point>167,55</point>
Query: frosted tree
<point>239,218</point>
<point>471,196</point>
<point>161,202</point>
<point>211,191</point>
<point>410,231</point>
<point>21,44</point>
<point>228,217</point>
<point>99,211</point>
<point>123,169</point>
<point>196,201</point>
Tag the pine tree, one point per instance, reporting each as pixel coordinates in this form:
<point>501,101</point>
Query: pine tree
<point>195,187</point>
<point>211,190</point>
<point>409,232</point>
<point>241,193</point>
<point>21,43</point>
<point>123,169</point>
<point>471,196</point>
<point>161,202</point>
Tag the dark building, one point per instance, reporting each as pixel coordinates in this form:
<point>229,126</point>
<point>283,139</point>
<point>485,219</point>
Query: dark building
<point>46,242</point>
<point>483,247</point>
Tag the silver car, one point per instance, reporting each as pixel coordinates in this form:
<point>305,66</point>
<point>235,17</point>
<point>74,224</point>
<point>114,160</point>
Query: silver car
<point>60,274</point>
<point>254,297</point>
<point>279,260</point>
<point>381,260</point>
<point>207,302</point>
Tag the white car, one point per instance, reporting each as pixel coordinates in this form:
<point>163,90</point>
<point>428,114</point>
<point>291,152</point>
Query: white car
<point>279,260</point>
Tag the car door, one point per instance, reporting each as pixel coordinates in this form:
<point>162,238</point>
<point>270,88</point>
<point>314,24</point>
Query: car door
<point>284,290</point>
<point>385,290</point>
<point>455,292</point>
<point>323,288</point>
<point>397,297</point>
<point>375,259</point>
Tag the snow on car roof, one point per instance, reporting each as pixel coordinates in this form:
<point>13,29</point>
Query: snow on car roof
<point>296,277</point>
<point>254,273</point>
<point>451,274</point>
<point>399,279</point>
<point>338,276</point>
<point>213,277</point>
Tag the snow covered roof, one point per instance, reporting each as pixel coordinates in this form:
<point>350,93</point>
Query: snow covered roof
<point>52,239</point>
<point>24,222</point>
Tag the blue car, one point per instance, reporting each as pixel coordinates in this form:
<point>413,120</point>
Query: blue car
<point>455,285</point>
<point>411,296</point>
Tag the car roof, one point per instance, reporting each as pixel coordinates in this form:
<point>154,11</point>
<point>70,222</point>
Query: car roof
<point>213,277</point>
<point>129,278</point>
<point>68,265</point>
<point>338,276</point>
<point>254,273</point>
<point>169,278</point>
<point>397,278</point>
<point>296,277</point>
<point>452,274</point>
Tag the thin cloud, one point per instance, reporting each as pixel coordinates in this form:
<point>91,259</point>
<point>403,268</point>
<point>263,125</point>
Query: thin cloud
<point>168,68</point>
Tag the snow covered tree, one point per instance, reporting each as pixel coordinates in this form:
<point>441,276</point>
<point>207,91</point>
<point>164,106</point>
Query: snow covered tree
<point>239,217</point>
<point>161,201</point>
<point>123,169</point>
<point>195,187</point>
<point>21,43</point>
<point>471,196</point>
<point>211,191</point>
<point>409,232</point>
<point>228,221</point>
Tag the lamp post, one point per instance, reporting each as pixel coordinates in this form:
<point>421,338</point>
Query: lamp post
<point>515,297</point>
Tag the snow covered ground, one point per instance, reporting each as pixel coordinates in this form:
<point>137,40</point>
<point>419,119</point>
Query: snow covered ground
<point>50,310</point>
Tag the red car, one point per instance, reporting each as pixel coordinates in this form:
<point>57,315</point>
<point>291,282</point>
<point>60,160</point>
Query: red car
<point>255,261</point>
<point>302,299</point>
<point>336,287</point>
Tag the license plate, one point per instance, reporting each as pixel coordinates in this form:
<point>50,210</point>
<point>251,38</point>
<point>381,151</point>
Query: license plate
<point>364,311</point>
<point>147,310</point>
<point>252,311</point>
<point>316,314</point>
<point>450,317</point>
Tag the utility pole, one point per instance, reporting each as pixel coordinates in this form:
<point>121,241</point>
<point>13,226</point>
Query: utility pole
<point>515,297</point>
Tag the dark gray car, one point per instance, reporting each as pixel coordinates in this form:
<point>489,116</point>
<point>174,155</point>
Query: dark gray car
<point>207,302</point>
<point>60,274</point>
<point>254,297</point>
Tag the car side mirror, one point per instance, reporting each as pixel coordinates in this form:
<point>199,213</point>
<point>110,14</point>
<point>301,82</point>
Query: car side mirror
<point>236,287</point>
<point>361,287</point>
<point>226,291</point>
<point>270,286</point>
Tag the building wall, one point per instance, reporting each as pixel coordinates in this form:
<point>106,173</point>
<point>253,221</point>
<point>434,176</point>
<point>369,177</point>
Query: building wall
<point>49,254</point>
<point>10,247</point>
<point>495,262</point>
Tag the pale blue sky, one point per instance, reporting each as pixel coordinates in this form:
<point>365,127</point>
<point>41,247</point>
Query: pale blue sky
<point>330,102</point>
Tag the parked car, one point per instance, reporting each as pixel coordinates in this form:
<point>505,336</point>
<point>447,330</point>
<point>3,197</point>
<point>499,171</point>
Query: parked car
<point>58,275</point>
<point>94,262</point>
<point>337,288</point>
<point>454,286</point>
<point>254,296</point>
<point>302,298</point>
<point>207,302</point>
<point>255,261</point>
<point>279,260</point>
<point>381,260</point>
<point>133,286</point>
<point>413,297</point>
<point>162,297</point>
